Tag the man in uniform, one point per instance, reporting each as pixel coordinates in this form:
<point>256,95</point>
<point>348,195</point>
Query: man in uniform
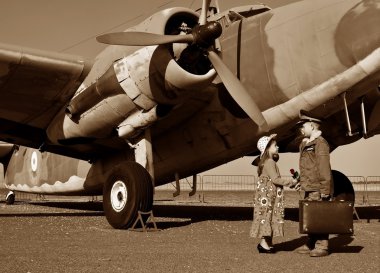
<point>315,176</point>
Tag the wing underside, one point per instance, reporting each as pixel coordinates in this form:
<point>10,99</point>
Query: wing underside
<point>34,86</point>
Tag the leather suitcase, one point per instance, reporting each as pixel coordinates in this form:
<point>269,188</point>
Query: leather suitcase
<point>326,217</point>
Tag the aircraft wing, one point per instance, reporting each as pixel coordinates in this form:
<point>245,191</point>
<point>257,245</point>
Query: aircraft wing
<point>34,86</point>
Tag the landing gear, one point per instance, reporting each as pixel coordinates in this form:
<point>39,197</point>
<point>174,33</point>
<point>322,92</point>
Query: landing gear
<point>127,190</point>
<point>10,198</point>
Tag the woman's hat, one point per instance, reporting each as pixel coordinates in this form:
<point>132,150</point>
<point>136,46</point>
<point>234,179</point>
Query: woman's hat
<point>262,143</point>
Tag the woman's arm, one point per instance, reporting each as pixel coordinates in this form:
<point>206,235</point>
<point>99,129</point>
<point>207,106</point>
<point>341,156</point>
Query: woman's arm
<point>271,169</point>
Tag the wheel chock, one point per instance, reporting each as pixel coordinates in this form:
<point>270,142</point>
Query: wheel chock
<point>356,214</point>
<point>144,226</point>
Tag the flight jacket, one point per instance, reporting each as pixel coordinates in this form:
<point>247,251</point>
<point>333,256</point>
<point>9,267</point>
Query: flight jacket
<point>315,169</point>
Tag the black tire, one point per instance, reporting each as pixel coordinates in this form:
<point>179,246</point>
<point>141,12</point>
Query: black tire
<point>124,193</point>
<point>146,194</point>
<point>10,198</point>
<point>343,189</point>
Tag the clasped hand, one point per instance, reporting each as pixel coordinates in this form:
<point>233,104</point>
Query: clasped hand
<point>295,184</point>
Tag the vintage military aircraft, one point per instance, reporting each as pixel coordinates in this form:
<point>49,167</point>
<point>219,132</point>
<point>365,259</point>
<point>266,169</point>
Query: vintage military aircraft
<point>184,92</point>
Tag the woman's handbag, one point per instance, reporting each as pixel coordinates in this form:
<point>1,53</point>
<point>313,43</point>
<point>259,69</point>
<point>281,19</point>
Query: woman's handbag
<point>326,217</point>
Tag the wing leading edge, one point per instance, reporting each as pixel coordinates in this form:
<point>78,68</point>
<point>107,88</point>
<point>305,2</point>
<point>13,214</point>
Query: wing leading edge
<point>34,86</point>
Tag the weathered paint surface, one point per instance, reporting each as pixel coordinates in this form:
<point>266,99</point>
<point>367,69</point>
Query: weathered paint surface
<point>30,170</point>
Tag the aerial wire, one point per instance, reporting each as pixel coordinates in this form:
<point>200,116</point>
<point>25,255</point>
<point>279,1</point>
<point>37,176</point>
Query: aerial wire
<point>192,3</point>
<point>117,26</point>
<point>163,5</point>
<point>108,30</point>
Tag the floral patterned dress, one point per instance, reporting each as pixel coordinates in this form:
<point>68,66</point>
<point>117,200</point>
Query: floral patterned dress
<point>268,216</point>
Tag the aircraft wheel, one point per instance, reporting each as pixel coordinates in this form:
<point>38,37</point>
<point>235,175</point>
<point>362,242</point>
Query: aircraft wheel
<point>125,192</point>
<point>146,193</point>
<point>343,189</point>
<point>10,198</point>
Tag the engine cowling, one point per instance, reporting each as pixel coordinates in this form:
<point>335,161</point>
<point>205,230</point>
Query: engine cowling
<point>138,81</point>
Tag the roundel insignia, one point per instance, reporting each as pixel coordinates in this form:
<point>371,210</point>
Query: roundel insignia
<point>34,165</point>
<point>34,161</point>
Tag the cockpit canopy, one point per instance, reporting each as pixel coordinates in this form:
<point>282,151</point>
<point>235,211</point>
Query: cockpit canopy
<point>226,18</point>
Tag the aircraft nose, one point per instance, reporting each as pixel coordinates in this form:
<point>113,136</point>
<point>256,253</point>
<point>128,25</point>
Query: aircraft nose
<point>205,35</point>
<point>213,30</point>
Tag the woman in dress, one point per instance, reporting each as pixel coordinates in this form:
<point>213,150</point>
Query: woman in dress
<point>268,217</point>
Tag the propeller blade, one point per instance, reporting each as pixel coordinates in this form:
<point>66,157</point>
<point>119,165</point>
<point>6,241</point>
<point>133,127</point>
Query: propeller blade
<point>203,17</point>
<point>237,91</point>
<point>142,38</point>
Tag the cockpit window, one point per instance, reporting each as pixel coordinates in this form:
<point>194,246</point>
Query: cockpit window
<point>253,12</point>
<point>237,14</point>
<point>234,16</point>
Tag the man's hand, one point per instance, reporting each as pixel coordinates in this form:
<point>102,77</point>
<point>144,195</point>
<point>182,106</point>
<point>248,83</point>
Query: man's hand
<point>295,184</point>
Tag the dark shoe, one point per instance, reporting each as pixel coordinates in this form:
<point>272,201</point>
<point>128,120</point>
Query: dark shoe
<point>264,250</point>
<point>303,250</point>
<point>318,253</point>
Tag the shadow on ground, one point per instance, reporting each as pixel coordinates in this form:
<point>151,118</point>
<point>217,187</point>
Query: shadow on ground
<point>241,213</point>
<point>337,244</point>
<point>194,213</point>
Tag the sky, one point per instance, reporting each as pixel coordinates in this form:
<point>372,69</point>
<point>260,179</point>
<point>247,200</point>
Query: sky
<point>70,26</point>
<point>360,158</point>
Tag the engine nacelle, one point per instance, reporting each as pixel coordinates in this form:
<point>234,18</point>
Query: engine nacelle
<point>5,149</point>
<point>136,82</point>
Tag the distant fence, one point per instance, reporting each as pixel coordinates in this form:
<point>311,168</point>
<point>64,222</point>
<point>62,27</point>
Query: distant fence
<point>373,189</point>
<point>185,184</point>
<point>226,188</point>
<point>360,188</point>
<point>228,183</point>
<point>367,189</point>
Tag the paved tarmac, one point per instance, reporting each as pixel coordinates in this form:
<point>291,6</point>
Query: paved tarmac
<point>49,237</point>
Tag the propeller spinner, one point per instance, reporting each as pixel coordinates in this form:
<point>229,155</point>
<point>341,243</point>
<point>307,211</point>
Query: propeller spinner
<point>203,35</point>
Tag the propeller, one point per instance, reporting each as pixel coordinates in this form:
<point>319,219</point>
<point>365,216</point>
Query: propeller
<point>203,35</point>
<point>142,38</point>
<point>203,17</point>
<point>238,91</point>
